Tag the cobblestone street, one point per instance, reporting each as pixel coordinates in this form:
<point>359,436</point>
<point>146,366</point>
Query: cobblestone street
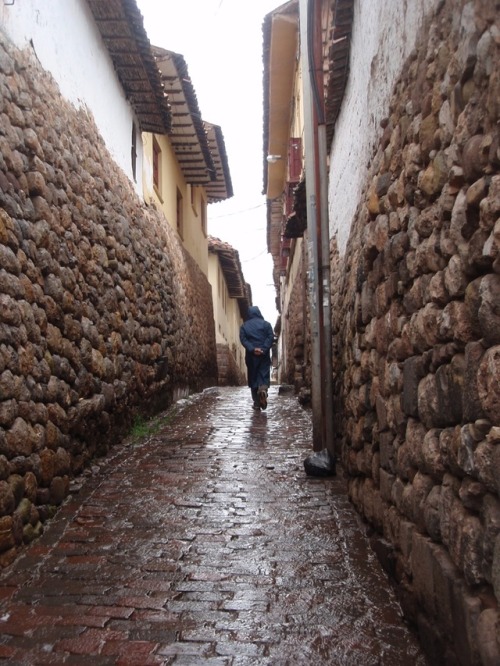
<point>204,542</point>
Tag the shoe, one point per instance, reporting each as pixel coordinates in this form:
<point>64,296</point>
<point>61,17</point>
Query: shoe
<point>263,397</point>
<point>256,407</point>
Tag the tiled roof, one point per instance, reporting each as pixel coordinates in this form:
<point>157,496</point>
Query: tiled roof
<point>221,187</point>
<point>122,29</point>
<point>188,135</point>
<point>338,65</point>
<point>198,145</point>
<point>288,9</point>
<point>229,260</point>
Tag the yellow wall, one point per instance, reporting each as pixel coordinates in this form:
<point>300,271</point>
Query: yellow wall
<point>194,206</point>
<point>226,312</point>
<point>282,79</point>
<point>297,124</point>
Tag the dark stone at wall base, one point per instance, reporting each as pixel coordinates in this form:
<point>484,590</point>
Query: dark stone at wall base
<point>434,642</point>
<point>385,553</point>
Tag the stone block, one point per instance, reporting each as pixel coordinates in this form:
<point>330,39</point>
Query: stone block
<point>9,261</point>
<point>459,520</point>
<point>59,489</point>
<point>390,531</point>
<point>445,579</point>
<point>381,409</point>
<point>437,292</point>
<point>466,610</point>
<point>432,180</point>
<point>405,540</point>
<point>458,225</point>
<point>9,411</point>
<point>490,515</point>
<point>405,467</point>
<point>366,303</point>
<point>21,439</point>
<point>455,279</point>
<point>488,384</point>
<point>428,402</point>
<point>422,567</point>
<point>422,485</point>
<point>449,443</point>
<point>30,486</point>
<point>431,513</point>
<point>428,129</point>
<point>423,329</point>
<point>489,208</point>
<point>414,298</point>
<point>449,492</point>
<point>476,261</point>
<point>471,548</point>
<point>466,448</point>
<point>471,494</point>
<point>495,569</point>
<point>392,378</point>
<point>474,159</point>
<point>471,403</point>
<point>386,481</point>
<point>486,462</point>
<point>440,396</point>
<point>432,462</point>
<point>488,644</point>
<point>489,309</point>
<point>7,540</point>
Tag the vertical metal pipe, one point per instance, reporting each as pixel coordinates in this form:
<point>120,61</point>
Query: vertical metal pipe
<point>326,296</point>
<point>312,229</point>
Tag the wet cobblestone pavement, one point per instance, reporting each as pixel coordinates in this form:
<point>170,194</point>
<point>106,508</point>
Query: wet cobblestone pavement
<point>206,543</point>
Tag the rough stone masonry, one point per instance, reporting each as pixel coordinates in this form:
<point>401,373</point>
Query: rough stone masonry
<point>417,337</point>
<point>102,313</point>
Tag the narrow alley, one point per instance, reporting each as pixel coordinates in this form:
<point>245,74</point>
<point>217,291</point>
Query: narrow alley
<point>204,542</point>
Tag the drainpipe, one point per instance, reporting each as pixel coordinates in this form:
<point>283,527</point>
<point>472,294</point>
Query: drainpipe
<point>326,303</point>
<point>317,226</point>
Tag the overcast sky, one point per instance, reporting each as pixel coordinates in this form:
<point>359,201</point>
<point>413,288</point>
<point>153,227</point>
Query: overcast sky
<point>221,41</point>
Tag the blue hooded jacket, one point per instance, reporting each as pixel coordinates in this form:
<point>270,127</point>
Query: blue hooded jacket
<point>256,332</point>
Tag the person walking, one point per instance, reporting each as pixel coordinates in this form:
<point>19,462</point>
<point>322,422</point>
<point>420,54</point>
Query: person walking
<point>257,336</point>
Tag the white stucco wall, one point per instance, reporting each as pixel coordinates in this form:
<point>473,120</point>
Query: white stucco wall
<point>383,37</point>
<point>66,41</point>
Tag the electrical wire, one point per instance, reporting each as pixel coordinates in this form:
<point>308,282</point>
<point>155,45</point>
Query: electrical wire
<point>238,212</point>
<point>246,261</point>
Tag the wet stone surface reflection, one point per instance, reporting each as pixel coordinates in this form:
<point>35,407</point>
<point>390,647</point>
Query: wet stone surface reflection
<point>206,543</point>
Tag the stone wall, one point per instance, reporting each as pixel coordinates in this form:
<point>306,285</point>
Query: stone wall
<point>296,351</point>
<point>103,315</point>
<point>229,372</point>
<point>416,314</point>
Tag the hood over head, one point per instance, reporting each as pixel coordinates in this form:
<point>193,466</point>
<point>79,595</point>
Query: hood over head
<point>254,312</point>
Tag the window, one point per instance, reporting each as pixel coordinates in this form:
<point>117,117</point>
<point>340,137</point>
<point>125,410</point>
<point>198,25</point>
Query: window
<point>203,207</point>
<point>156,166</point>
<point>133,152</point>
<point>289,198</point>
<point>180,214</point>
<point>295,159</point>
